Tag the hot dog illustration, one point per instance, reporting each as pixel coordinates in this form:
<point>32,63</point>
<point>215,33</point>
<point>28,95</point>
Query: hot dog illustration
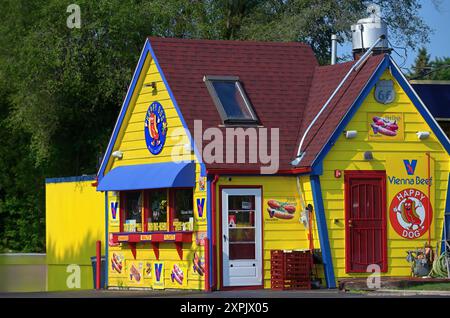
<point>177,274</point>
<point>198,265</point>
<point>153,129</point>
<point>409,214</point>
<point>116,263</point>
<point>280,210</point>
<point>384,126</point>
<point>134,273</point>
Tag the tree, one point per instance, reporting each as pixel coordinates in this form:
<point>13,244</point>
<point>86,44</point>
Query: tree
<point>440,69</point>
<point>61,88</point>
<point>421,65</point>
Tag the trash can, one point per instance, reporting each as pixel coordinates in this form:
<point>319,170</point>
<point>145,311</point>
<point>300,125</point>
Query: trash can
<point>94,271</point>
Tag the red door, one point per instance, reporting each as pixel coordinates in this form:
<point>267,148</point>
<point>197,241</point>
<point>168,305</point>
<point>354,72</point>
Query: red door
<point>365,219</point>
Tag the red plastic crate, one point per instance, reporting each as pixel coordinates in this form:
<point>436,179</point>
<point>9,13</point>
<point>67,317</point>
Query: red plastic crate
<point>291,269</point>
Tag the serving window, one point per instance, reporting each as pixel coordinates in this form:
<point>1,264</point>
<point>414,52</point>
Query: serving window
<point>183,208</point>
<point>157,210</point>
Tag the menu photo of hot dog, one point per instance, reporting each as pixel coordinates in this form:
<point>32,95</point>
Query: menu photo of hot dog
<point>135,271</point>
<point>117,263</point>
<point>386,126</point>
<point>199,266</point>
<point>177,274</point>
<point>281,210</point>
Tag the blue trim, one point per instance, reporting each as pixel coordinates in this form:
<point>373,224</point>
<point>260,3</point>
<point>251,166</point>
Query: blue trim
<point>123,111</point>
<point>421,107</point>
<point>350,113</point>
<point>446,225</point>
<point>147,49</point>
<point>323,231</point>
<point>149,176</point>
<point>175,104</point>
<point>106,239</point>
<point>71,179</point>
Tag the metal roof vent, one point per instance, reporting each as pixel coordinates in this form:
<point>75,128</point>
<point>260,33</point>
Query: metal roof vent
<point>368,30</point>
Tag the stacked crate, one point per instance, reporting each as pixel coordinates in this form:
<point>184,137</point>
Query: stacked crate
<point>290,269</point>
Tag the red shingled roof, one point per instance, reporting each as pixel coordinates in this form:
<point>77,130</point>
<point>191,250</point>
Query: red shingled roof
<point>282,80</point>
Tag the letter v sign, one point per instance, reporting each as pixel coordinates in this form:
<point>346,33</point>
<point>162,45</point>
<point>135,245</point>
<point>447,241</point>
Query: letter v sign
<point>410,166</point>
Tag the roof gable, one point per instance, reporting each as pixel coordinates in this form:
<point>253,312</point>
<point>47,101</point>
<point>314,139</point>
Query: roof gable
<point>386,63</point>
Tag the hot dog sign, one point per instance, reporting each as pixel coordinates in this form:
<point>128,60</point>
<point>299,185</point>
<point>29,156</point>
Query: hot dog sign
<point>385,126</point>
<point>410,195</point>
<point>280,210</point>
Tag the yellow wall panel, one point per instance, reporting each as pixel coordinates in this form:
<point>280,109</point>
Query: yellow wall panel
<point>347,154</point>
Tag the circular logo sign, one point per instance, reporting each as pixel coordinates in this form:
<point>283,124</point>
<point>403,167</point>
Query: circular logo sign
<point>409,213</point>
<point>155,128</point>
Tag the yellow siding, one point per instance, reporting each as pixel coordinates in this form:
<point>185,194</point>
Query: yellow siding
<point>347,154</point>
<point>282,235</point>
<point>75,220</point>
<point>131,141</point>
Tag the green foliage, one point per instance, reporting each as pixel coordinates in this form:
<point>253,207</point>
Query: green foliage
<point>425,69</point>
<point>61,89</point>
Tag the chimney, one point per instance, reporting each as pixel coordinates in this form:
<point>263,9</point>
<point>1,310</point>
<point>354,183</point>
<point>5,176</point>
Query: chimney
<point>367,31</point>
<point>333,49</point>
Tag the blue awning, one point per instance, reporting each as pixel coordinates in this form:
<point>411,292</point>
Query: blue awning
<point>149,176</point>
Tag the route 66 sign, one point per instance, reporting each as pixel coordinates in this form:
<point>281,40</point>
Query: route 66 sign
<point>384,91</point>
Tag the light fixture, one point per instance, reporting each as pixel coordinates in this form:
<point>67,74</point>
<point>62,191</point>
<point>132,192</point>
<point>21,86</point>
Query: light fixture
<point>350,134</point>
<point>368,155</point>
<point>297,160</point>
<point>117,154</point>
<point>423,134</point>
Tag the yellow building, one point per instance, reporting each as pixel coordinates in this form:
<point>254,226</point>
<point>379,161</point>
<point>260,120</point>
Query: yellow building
<point>227,150</point>
<point>75,221</point>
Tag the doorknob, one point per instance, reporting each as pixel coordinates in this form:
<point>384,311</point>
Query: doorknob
<point>350,224</point>
<point>224,237</point>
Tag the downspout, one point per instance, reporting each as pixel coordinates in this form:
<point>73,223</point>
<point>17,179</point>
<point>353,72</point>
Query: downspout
<point>355,67</point>
<point>429,198</point>
<point>214,231</point>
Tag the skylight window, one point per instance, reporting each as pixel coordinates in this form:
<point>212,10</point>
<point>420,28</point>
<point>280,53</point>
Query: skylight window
<point>230,99</point>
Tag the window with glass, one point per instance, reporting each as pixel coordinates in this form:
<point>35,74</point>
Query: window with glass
<point>132,213</point>
<point>241,221</point>
<point>230,99</point>
<point>157,206</point>
<point>183,210</point>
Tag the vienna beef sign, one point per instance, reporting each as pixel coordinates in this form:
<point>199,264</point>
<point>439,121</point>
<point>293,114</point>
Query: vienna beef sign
<point>410,194</point>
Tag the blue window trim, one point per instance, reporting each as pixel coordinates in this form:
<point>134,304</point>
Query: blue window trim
<point>146,50</point>
<point>323,231</point>
<point>70,179</point>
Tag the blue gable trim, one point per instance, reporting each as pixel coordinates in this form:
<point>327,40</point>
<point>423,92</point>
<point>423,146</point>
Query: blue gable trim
<point>323,231</point>
<point>350,113</point>
<point>423,110</point>
<point>70,179</point>
<point>147,49</point>
<point>123,111</point>
<point>106,239</point>
<point>404,84</point>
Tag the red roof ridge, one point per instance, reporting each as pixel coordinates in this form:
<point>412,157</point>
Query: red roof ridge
<point>227,42</point>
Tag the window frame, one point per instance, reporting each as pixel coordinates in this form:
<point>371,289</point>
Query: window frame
<point>123,206</point>
<point>146,209</point>
<point>209,79</point>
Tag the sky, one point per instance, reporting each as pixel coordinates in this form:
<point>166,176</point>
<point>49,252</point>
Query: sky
<point>439,45</point>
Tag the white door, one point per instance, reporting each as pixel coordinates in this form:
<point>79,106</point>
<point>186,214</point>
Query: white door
<point>241,237</point>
